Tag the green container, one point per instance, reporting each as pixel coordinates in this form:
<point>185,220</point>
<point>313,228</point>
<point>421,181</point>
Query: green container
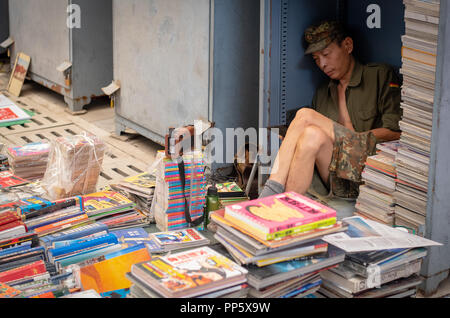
<point>212,203</point>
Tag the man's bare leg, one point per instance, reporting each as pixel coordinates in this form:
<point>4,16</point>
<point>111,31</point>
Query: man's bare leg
<point>314,148</point>
<point>304,119</point>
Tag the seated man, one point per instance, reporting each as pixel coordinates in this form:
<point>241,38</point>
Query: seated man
<point>359,107</point>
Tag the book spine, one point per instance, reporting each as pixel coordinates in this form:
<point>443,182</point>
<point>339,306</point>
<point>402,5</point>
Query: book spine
<point>56,206</point>
<point>74,233</point>
<point>109,239</point>
<point>279,235</point>
<point>59,219</point>
<point>31,207</point>
<point>301,229</point>
<point>11,242</point>
<point>12,225</point>
<point>9,217</point>
<point>24,271</point>
<point>68,222</point>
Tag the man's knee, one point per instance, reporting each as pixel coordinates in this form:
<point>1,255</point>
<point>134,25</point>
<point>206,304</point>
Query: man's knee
<point>312,139</point>
<point>305,116</point>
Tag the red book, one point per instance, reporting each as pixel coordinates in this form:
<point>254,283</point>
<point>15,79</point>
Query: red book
<point>9,217</point>
<point>12,225</point>
<point>8,180</point>
<point>28,270</point>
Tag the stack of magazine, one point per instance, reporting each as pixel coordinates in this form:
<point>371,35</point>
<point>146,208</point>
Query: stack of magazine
<point>195,273</point>
<point>376,200</point>
<point>29,161</point>
<point>113,209</point>
<point>380,262</point>
<point>278,239</point>
<point>140,190</point>
<point>419,72</point>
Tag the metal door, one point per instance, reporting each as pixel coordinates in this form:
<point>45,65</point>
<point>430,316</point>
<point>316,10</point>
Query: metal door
<point>161,58</point>
<point>39,29</point>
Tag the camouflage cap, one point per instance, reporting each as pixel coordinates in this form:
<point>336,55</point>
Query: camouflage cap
<point>320,36</point>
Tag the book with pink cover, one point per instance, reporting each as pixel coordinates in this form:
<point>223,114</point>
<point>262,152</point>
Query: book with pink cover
<point>280,212</point>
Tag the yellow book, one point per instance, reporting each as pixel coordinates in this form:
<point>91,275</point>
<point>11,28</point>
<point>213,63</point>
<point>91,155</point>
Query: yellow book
<point>278,235</point>
<point>109,275</point>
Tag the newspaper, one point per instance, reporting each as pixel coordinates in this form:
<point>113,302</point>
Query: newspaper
<point>366,236</point>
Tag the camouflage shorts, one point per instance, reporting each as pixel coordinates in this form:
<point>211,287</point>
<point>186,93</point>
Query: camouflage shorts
<point>350,153</point>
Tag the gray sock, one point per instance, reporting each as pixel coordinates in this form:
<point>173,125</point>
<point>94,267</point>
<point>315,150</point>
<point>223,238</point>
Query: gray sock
<point>271,188</point>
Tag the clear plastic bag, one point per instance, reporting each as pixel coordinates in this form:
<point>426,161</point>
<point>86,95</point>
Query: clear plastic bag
<point>74,166</point>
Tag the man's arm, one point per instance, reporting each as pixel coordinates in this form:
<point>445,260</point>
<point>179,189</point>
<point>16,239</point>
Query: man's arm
<point>389,106</point>
<point>384,134</point>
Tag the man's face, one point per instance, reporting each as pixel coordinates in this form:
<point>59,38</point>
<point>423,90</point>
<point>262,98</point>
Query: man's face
<point>335,59</point>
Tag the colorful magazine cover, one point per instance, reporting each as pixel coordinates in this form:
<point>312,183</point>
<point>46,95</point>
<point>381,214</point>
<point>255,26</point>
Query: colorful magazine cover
<point>133,236</point>
<point>280,213</point>
<point>33,149</point>
<point>9,180</point>
<point>11,113</point>
<point>177,237</point>
<point>145,180</point>
<point>105,201</point>
<point>109,275</point>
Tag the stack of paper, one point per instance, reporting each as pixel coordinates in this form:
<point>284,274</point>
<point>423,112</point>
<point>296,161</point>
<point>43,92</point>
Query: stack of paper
<point>419,72</point>
<point>376,199</point>
<point>381,262</point>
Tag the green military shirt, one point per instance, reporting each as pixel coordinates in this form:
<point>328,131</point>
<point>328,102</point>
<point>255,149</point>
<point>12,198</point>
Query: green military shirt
<point>373,98</point>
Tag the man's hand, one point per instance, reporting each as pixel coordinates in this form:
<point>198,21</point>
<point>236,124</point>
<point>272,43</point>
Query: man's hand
<point>385,135</point>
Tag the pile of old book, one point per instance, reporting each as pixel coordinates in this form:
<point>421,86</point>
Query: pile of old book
<point>113,209</point>
<point>380,262</point>
<point>180,191</point>
<point>29,161</point>
<point>419,72</point>
<point>199,273</point>
<point>74,166</point>
<point>279,240</point>
<point>376,199</point>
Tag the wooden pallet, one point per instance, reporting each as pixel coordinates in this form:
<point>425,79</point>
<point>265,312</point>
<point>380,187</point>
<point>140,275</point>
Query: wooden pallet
<point>112,154</point>
<point>113,173</point>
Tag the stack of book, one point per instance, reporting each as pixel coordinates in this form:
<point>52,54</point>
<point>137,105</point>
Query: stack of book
<point>74,166</point>
<point>171,199</point>
<point>65,253</point>
<point>140,190</point>
<point>376,200</point>
<point>25,268</point>
<point>29,161</point>
<point>199,273</point>
<point>105,204</point>
<point>278,239</point>
<point>419,72</point>
<point>380,262</point>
